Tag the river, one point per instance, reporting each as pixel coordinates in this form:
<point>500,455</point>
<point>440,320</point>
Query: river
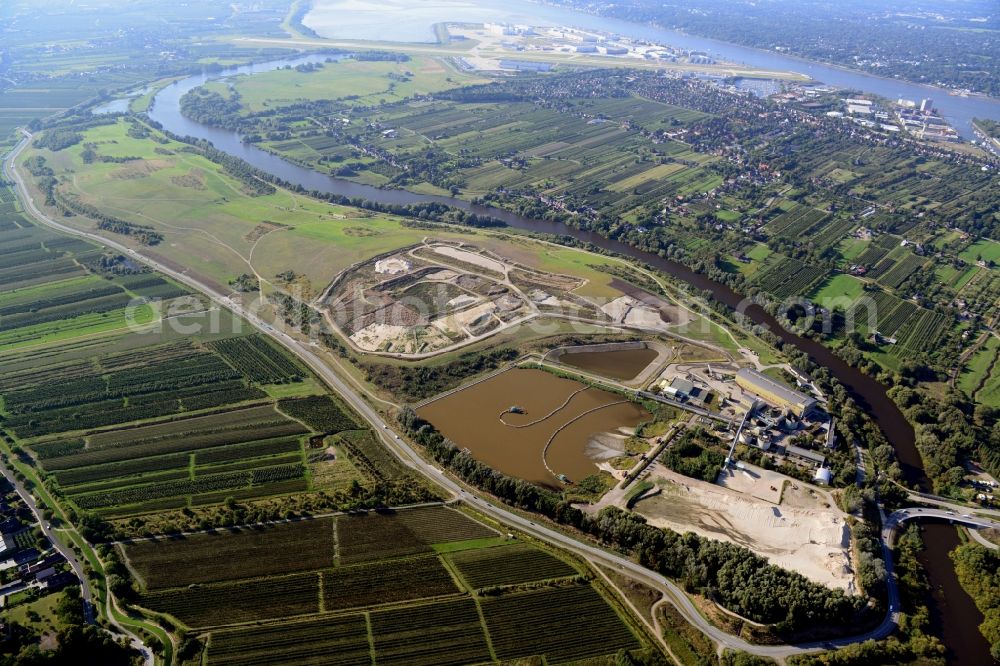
<point>413,21</point>
<point>869,393</point>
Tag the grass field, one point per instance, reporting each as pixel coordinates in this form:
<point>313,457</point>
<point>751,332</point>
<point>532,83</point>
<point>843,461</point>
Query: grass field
<point>365,82</point>
<point>838,291</point>
<point>38,614</point>
<point>985,249</point>
<point>980,377</point>
<point>211,225</point>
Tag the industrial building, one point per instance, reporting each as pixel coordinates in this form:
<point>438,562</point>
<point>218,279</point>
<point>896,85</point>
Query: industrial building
<point>525,65</point>
<point>775,393</point>
<point>684,389</point>
<point>805,455</point>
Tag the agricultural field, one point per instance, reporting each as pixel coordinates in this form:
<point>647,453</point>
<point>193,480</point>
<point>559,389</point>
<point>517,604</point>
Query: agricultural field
<point>367,537</point>
<point>343,573</point>
<point>337,641</point>
<point>146,417</point>
<point>51,292</point>
<point>75,429</point>
<point>563,623</point>
<point>429,616</point>
<point>249,552</point>
<point>508,565</point>
<point>980,377</point>
<point>783,277</point>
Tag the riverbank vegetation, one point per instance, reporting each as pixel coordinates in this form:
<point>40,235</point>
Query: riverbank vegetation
<point>911,645</point>
<point>978,570</point>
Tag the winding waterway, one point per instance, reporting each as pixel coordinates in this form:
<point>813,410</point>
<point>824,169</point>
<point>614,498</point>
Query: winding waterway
<point>413,21</point>
<point>958,628</point>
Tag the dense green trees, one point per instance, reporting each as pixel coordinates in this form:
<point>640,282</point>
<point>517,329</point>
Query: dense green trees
<point>76,642</point>
<point>58,139</point>
<point>414,382</point>
<point>949,429</point>
<point>978,570</point>
<point>686,456</point>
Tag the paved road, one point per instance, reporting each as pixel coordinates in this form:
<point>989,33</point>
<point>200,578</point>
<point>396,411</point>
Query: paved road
<point>416,462</point>
<point>950,504</point>
<point>964,518</point>
<point>983,541</point>
<point>29,500</point>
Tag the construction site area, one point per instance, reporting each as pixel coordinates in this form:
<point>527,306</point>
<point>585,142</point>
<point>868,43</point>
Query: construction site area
<point>432,297</point>
<point>792,524</point>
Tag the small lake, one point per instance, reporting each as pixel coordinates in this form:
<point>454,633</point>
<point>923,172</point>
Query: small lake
<point>120,105</point>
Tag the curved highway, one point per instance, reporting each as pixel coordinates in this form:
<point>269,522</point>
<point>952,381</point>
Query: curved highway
<point>413,460</point>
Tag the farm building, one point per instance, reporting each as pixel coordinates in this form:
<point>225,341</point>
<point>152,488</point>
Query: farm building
<point>774,393</point>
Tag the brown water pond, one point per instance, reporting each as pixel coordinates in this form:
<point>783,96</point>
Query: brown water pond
<point>617,364</point>
<point>560,418</point>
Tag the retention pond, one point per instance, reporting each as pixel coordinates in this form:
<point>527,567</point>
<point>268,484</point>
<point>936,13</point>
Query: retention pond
<point>534,425</point>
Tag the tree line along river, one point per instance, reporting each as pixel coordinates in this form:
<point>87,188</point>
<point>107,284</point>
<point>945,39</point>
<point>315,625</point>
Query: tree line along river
<point>954,614</point>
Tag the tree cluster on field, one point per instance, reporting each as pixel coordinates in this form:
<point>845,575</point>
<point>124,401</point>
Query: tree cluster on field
<point>75,643</point>
<point>58,139</point>
<point>107,222</point>
<point>414,382</point>
<point>693,454</point>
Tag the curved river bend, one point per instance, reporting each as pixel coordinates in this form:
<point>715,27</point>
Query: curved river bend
<point>961,635</point>
<point>364,20</point>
